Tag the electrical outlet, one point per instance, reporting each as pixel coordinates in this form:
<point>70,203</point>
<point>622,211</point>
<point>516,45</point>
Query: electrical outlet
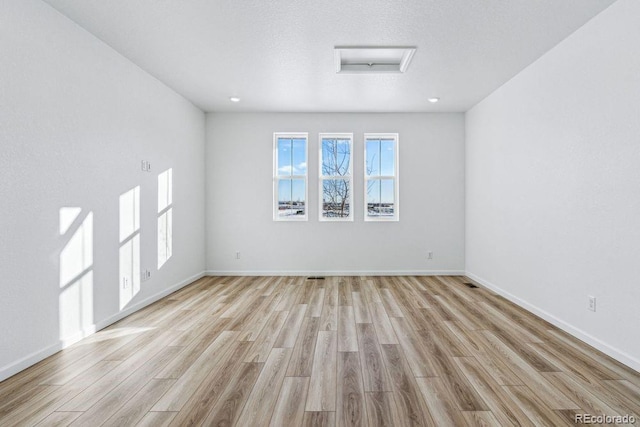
<point>145,275</point>
<point>146,166</point>
<point>429,255</point>
<point>592,303</point>
<point>237,254</point>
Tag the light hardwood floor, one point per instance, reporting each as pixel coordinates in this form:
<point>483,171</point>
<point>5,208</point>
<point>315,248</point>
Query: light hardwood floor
<point>287,351</point>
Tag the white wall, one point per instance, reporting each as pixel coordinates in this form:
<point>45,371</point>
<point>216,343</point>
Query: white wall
<point>553,184</point>
<point>239,198</point>
<point>76,119</point>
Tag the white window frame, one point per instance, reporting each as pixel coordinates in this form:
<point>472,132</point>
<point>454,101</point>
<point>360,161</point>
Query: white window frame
<point>322,178</point>
<point>395,177</point>
<point>276,177</point>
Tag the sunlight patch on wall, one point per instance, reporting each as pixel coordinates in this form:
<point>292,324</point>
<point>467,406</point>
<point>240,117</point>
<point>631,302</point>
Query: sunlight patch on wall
<point>67,216</point>
<point>129,245</point>
<point>165,216</point>
<point>76,275</point>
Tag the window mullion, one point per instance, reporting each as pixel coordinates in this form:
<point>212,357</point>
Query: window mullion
<point>379,156</point>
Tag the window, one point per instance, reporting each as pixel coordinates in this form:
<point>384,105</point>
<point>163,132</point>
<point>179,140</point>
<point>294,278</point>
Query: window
<point>381,177</point>
<point>290,177</point>
<point>165,216</point>
<point>336,200</point>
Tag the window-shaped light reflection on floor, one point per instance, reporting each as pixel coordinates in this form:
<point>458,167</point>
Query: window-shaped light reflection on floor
<point>165,216</point>
<point>129,282</point>
<point>76,274</point>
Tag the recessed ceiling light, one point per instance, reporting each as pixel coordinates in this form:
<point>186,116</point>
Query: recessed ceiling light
<point>234,99</point>
<point>434,100</point>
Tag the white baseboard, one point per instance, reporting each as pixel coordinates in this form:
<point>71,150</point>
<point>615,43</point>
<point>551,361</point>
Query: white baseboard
<point>150,300</point>
<point>29,360</point>
<point>336,273</point>
<point>37,356</point>
<point>72,339</point>
<point>609,350</point>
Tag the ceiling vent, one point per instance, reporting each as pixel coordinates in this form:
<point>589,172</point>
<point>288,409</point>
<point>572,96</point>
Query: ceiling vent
<point>373,59</point>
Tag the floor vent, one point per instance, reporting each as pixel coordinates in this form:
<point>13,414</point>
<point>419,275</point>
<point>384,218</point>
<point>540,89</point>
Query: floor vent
<point>470,285</point>
<point>315,278</point>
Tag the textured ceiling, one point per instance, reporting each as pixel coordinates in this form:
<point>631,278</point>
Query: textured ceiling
<point>277,55</point>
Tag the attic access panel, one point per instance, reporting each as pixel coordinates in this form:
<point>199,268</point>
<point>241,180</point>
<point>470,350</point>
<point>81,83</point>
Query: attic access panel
<point>373,59</point>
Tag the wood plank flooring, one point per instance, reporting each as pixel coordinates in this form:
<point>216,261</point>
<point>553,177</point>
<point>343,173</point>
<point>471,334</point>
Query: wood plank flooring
<point>343,351</point>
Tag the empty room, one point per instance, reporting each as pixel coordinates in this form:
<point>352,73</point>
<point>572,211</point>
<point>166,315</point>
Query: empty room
<point>306,213</point>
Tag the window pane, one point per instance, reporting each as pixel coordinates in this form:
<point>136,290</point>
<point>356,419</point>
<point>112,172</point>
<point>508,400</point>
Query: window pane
<point>387,190</point>
<point>284,190</point>
<point>373,196</point>
<point>285,154</point>
<point>373,157</point>
<point>299,156</point>
<point>387,157</point>
<point>381,197</point>
<point>291,197</point>
<point>298,199</point>
<point>336,154</point>
<point>335,198</point>
<point>284,198</point>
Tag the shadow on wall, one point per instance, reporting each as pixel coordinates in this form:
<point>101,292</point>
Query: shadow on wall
<point>76,274</point>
